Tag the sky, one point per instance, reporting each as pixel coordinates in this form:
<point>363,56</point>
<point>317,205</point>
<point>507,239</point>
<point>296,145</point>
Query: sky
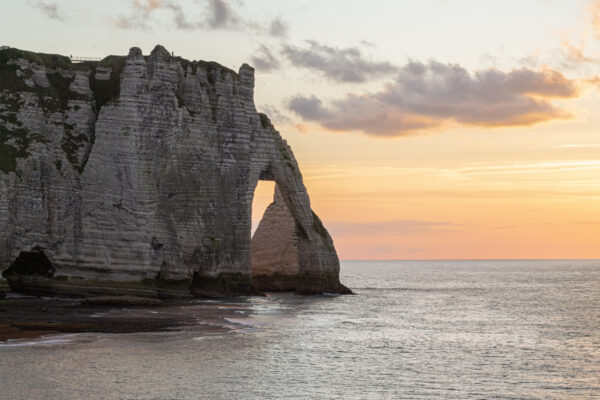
<point>430,129</point>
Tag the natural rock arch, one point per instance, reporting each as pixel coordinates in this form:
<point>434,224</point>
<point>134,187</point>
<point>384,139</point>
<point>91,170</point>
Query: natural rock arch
<point>291,250</point>
<point>143,182</point>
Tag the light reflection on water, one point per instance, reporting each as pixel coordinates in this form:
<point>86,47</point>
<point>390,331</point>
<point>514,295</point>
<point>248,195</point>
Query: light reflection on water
<point>422,330</point>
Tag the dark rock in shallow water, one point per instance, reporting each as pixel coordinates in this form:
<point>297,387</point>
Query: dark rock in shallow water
<point>3,288</point>
<point>123,301</point>
<point>135,176</point>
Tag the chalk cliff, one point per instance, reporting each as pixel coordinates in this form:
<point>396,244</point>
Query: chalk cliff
<point>136,174</point>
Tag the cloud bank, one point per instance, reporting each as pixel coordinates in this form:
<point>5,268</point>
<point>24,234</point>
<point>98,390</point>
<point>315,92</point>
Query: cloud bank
<point>429,96</point>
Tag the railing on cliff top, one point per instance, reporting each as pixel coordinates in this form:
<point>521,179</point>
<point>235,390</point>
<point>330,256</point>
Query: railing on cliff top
<point>84,59</point>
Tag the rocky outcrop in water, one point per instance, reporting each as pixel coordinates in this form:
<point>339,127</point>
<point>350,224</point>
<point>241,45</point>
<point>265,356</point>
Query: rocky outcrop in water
<point>135,175</point>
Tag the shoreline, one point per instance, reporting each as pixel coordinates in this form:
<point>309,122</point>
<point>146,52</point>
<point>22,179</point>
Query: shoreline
<point>23,317</point>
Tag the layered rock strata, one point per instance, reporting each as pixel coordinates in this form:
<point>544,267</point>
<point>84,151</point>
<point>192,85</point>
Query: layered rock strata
<point>135,175</point>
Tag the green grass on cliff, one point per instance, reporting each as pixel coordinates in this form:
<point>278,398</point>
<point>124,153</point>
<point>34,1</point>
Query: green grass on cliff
<point>15,139</point>
<point>46,60</point>
<point>211,68</point>
<point>8,74</point>
<point>13,144</point>
<point>56,98</point>
<point>265,122</point>
<point>71,143</point>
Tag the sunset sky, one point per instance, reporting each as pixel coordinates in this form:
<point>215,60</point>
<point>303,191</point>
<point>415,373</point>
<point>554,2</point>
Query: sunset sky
<point>431,129</point>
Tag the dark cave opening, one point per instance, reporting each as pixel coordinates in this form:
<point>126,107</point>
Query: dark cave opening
<point>31,263</point>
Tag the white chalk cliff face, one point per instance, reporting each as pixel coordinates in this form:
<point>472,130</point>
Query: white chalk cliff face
<point>136,175</point>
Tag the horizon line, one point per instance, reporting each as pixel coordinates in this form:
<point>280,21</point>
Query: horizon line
<point>474,259</point>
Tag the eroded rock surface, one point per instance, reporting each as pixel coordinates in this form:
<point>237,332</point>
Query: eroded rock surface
<point>135,175</point>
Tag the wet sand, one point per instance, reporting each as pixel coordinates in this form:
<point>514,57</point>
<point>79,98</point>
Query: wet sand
<point>32,317</point>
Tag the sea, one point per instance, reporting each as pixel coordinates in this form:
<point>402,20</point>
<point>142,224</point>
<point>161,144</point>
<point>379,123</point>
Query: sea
<point>414,330</point>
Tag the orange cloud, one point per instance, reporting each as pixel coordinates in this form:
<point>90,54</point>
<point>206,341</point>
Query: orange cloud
<point>574,54</point>
<point>303,128</point>
<point>148,5</point>
<point>429,96</point>
<point>592,81</point>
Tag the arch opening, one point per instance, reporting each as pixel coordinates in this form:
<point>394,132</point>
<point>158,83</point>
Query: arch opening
<point>263,197</point>
<point>274,256</point>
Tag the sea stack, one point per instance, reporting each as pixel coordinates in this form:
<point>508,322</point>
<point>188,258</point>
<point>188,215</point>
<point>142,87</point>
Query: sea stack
<point>135,175</point>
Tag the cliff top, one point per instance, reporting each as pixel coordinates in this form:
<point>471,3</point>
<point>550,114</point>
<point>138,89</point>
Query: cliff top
<point>56,61</point>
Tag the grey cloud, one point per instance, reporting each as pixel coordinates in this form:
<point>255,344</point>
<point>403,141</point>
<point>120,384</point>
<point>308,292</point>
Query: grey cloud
<point>213,15</point>
<point>366,43</point>
<point>278,27</point>
<point>264,60</point>
<point>337,64</point>
<point>220,15</point>
<point>123,22</point>
<point>429,96</point>
<point>310,108</point>
<point>275,115</point>
<point>179,17</point>
<point>49,9</point>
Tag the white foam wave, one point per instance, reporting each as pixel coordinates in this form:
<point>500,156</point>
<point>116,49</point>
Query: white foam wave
<point>50,340</point>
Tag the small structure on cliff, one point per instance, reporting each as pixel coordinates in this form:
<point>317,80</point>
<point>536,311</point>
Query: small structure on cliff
<point>135,175</point>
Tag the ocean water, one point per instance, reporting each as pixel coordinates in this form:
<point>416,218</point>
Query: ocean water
<point>415,330</point>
